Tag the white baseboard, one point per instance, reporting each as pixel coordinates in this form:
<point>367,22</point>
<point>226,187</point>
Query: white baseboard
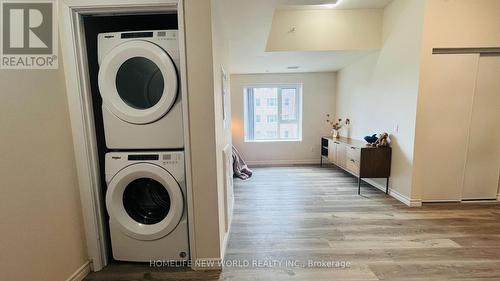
<point>395,194</point>
<point>80,273</point>
<point>207,264</point>
<point>255,163</point>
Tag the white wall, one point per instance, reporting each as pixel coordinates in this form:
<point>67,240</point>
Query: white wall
<point>42,236</point>
<point>207,136</point>
<point>318,99</point>
<point>325,30</point>
<point>448,24</point>
<point>461,24</point>
<point>202,128</point>
<point>223,132</point>
<point>379,91</point>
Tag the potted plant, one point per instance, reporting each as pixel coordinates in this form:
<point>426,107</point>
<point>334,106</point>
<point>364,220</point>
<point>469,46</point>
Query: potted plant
<point>336,125</point>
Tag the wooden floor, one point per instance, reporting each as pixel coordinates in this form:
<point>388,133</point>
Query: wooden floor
<point>307,223</point>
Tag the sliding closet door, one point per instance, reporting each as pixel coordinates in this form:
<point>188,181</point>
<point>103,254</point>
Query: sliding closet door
<point>483,155</point>
<point>450,87</point>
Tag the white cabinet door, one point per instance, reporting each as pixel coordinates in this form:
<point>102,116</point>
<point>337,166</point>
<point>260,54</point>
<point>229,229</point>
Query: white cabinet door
<point>341,154</point>
<point>332,151</point>
<point>483,155</point>
<point>449,92</point>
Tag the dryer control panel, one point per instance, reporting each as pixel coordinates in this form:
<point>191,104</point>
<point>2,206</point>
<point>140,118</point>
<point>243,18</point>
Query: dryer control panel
<point>166,39</point>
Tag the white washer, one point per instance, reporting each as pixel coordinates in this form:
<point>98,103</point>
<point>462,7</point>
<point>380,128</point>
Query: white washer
<point>146,204</point>
<point>140,88</point>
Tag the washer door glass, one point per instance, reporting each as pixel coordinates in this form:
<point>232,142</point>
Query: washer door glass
<point>139,83</point>
<point>146,201</point>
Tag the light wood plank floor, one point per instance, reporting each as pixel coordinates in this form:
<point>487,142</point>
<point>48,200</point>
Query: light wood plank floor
<point>298,215</point>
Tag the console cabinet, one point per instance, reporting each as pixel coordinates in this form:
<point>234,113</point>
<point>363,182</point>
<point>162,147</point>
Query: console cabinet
<point>358,159</point>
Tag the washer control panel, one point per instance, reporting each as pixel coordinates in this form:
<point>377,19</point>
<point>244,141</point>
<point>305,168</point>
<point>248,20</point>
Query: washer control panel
<point>172,161</point>
<point>171,158</point>
<point>164,157</point>
<point>167,35</point>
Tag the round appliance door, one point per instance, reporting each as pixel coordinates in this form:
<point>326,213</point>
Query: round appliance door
<point>145,201</point>
<point>138,82</point>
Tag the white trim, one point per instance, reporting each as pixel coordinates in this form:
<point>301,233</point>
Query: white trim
<point>81,113</point>
<point>274,140</point>
<point>207,264</point>
<point>225,241</point>
<point>226,235</point>
<point>469,126</point>
<point>227,151</point>
<point>187,142</point>
<point>80,273</point>
<point>282,162</point>
<point>440,201</point>
<point>82,125</point>
<point>395,194</point>
<point>272,85</point>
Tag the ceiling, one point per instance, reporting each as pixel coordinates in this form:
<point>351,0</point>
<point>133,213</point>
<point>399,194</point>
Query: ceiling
<point>246,24</point>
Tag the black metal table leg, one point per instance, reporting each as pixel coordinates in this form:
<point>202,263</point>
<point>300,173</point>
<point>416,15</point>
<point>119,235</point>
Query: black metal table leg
<point>359,185</point>
<point>387,186</point>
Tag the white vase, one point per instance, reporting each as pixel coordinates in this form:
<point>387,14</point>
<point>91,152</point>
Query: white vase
<point>335,134</point>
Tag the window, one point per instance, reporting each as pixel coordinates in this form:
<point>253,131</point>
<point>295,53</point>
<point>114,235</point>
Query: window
<point>281,112</point>
<point>271,101</point>
<point>272,118</point>
<point>271,134</point>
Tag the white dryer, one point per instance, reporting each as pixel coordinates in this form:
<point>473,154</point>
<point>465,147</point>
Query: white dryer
<point>146,202</point>
<point>140,89</point>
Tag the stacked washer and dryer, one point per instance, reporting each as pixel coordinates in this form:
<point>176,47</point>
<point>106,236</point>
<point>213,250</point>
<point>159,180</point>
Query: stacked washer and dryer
<point>145,174</point>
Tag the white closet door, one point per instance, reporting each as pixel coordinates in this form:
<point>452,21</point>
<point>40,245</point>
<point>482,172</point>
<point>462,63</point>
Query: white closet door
<point>483,155</point>
<point>449,93</point>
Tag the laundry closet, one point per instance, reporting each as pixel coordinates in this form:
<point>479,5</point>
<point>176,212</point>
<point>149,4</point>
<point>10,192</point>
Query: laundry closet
<point>463,126</point>
<point>134,67</point>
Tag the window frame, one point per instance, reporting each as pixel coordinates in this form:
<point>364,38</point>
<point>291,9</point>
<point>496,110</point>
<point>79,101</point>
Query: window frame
<point>249,106</point>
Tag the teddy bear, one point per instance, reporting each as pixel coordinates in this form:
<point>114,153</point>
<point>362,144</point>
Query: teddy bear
<point>382,141</point>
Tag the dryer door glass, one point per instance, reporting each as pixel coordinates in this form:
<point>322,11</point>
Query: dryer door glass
<point>139,83</point>
<point>146,201</point>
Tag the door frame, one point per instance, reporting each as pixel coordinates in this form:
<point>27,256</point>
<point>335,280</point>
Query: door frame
<point>82,118</point>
